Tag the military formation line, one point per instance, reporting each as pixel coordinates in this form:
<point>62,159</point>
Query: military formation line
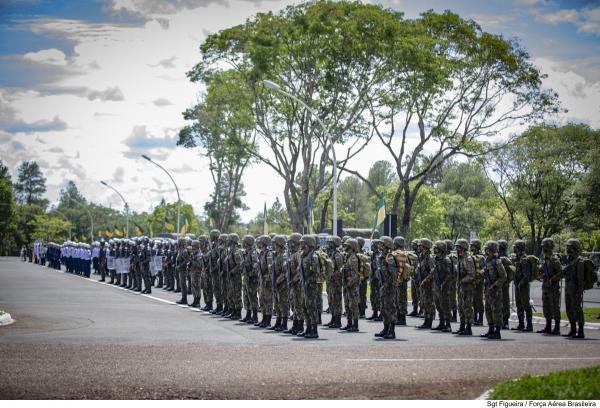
<point>282,276</point>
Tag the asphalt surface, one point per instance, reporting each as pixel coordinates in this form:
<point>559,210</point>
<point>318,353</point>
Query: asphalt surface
<point>77,338</point>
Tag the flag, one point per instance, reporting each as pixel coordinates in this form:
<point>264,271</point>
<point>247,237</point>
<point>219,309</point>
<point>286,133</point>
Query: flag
<point>151,232</point>
<point>138,230</point>
<point>83,238</point>
<point>108,233</point>
<point>99,234</point>
<point>379,215</point>
<point>168,226</point>
<point>184,228</point>
<point>265,224</point>
<point>118,232</point>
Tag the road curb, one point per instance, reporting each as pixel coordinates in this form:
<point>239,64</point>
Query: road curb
<point>565,323</point>
<point>485,395</point>
<point>5,319</point>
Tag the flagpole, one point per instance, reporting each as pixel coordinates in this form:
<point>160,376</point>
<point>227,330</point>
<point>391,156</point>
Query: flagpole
<point>176,189</point>
<point>104,183</point>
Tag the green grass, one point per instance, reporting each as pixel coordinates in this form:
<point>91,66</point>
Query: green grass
<point>579,384</point>
<point>2,312</point>
<point>589,315</point>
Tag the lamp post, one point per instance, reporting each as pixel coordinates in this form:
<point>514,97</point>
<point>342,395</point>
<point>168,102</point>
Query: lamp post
<point>104,183</point>
<point>276,87</point>
<point>176,189</point>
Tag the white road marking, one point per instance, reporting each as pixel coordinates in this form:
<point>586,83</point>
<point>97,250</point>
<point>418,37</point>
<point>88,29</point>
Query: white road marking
<point>472,359</point>
<point>159,299</point>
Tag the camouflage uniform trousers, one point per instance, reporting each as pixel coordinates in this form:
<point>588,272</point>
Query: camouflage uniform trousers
<point>250,294</point>
<point>441,295</point>
<point>147,276</point>
<point>574,304</point>
<point>551,301</point>
<point>206,284</point>
<point>216,287</point>
<point>453,294</point>
<point>465,303</point>
<point>426,299</point>
<point>414,292</point>
<point>282,296</point>
<point>183,275</point>
<point>266,297</point>
<point>177,278</point>
<point>401,298</point>
<point>235,291</point>
<point>328,290</point>
<point>388,305</point>
<point>362,291</point>
<point>522,301</point>
<point>335,307</point>
<point>168,276</point>
<point>298,301</point>
<point>196,275</point>
<point>311,309</point>
<point>375,297</point>
<point>353,299</point>
<point>137,274</point>
<point>223,286</point>
<point>478,297</point>
<point>320,298</point>
<point>505,302</point>
<point>493,306</point>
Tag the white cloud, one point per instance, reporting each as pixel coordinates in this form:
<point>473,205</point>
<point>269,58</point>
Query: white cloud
<point>587,20</point>
<point>109,94</point>
<point>50,56</point>
<point>160,102</point>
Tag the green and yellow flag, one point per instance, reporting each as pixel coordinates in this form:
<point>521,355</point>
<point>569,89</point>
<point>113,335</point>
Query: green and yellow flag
<point>379,217</point>
<point>168,226</point>
<point>118,232</point>
<point>184,228</point>
<point>108,233</point>
<point>265,224</point>
<point>83,238</point>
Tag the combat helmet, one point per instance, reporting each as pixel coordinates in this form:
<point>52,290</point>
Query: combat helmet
<point>548,243</point>
<point>399,242</point>
<point>308,240</point>
<point>425,243</point>
<point>462,243</point>
<point>387,242</point>
<point>352,244</point>
<point>248,241</point>
<point>574,243</point>
<point>440,247</point>
<point>491,246</point>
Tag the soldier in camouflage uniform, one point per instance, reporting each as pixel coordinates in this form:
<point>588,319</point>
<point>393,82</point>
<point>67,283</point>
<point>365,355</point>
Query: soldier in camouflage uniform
<point>224,273</point>
<point>235,260</point>
<point>196,272</point>
<point>414,280</point>
<point>281,293</point>
<point>205,277</point>
<point>182,262</point>
<point>494,277</point>
<point>319,284</point>
<point>250,280</point>
<point>309,268</point>
<point>573,272</point>
<point>426,283</point>
<point>478,261</point>
<point>335,281</point>
<point>442,272</point>
<point>296,289</point>
<point>452,255</point>
<point>401,288</point>
<point>509,268</point>
<point>364,282</point>
<point>465,275</point>
<point>266,285</point>
<point>522,278</point>
<point>145,259</point>
<point>351,284</point>
<point>215,270</point>
<point>374,282</point>
<point>137,262</point>
<point>551,272</point>
<point>387,276</point>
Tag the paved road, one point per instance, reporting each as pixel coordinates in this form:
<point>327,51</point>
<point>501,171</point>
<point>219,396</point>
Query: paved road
<point>77,338</point>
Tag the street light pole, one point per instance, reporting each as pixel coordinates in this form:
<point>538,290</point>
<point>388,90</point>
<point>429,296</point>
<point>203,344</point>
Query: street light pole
<point>176,189</point>
<point>276,87</point>
<point>104,183</point>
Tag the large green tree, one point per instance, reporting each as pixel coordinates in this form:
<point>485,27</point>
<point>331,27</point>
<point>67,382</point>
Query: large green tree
<point>330,55</point>
<point>8,213</point>
<point>31,184</point>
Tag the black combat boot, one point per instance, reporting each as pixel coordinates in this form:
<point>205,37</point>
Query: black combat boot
<point>348,325</point>
<point>337,324</point>
<point>283,325</point>
<point>302,331</point>
<point>521,326</point>
<point>195,302</point>
<point>299,328</point>
<point>453,318</point>
<point>391,333</point>
<point>440,326</point>
<point>332,321</point>
<point>572,332</point>
<point>267,322</point>
<point>447,327</point>
<point>579,334</point>
<point>426,324</point>
<point>414,312</point>
<point>556,330</point>
<point>354,327</point>
<point>293,329</point>
<point>467,331</point>
<point>495,333</point>
<point>276,325</point>
<point>460,329</point>
<point>246,318</point>
<point>314,333</point>
<point>217,310</point>
<point>319,319</point>
<point>383,332</point>
<point>401,320</point>
<point>254,318</point>
<point>490,330</point>
<point>529,327</point>
<point>183,300</point>
<point>548,327</point>
<point>373,316</point>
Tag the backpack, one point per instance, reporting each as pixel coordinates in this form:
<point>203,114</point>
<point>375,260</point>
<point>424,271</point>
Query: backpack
<point>509,267</point>
<point>325,266</point>
<point>364,266</point>
<point>589,273</point>
<point>534,267</point>
<point>477,260</point>
<point>402,263</point>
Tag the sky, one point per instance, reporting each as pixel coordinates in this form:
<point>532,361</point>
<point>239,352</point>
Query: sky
<point>88,86</point>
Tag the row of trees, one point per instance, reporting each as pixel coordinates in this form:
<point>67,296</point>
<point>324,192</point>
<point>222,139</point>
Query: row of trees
<point>429,90</point>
